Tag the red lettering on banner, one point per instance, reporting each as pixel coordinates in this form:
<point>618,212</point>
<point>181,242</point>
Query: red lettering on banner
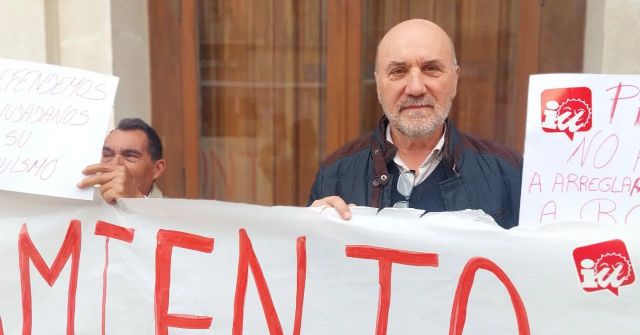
<point>535,181</point>
<point>301,277</point>
<point>465,283</point>
<point>583,183</point>
<point>114,231</point>
<point>70,249</point>
<point>585,150</point>
<point>600,209</point>
<point>386,257</point>
<point>167,239</point>
<point>109,231</point>
<point>635,165</point>
<point>247,259</point>
<point>593,184</point>
<point>608,184</point>
<point>550,208</point>
<point>617,97</point>
<point>614,144</point>
<point>615,101</point>
<point>626,183</point>
<point>626,218</point>
<point>636,187</point>
<point>558,181</point>
<point>572,178</point>
<point>603,154</point>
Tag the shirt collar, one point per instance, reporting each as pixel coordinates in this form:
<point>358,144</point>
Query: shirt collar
<point>434,155</point>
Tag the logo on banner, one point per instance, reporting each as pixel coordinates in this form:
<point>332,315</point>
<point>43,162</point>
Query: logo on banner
<point>566,110</point>
<point>604,266</point>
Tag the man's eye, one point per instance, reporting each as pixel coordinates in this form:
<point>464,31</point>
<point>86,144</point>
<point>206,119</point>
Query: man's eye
<point>431,68</point>
<point>396,71</point>
<point>131,157</point>
<point>106,156</point>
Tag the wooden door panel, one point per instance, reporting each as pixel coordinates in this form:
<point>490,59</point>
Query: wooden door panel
<point>249,96</point>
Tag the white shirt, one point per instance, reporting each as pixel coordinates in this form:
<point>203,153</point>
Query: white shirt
<point>428,165</point>
<point>155,192</point>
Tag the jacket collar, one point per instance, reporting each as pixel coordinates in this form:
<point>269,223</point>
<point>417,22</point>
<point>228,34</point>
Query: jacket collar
<point>382,152</point>
<point>452,149</point>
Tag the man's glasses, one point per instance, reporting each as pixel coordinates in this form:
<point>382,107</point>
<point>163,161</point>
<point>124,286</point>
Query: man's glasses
<point>406,181</point>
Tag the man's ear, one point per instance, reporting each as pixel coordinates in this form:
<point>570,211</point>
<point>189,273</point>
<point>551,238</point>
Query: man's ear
<point>457,76</point>
<point>158,168</point>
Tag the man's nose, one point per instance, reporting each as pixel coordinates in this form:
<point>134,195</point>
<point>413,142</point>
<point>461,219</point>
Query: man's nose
<point>416,85</point>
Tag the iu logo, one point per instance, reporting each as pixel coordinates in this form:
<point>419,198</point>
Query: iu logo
<point>566,110</point>
<point>603,266</point>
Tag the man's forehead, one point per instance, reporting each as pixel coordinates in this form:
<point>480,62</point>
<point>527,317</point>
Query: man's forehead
<point>409,59</point>
<point>413,56</point>
<point>119,140</point>
<point>411,39</point>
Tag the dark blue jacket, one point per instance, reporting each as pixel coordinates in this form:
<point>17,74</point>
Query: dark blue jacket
<point>480,174</point>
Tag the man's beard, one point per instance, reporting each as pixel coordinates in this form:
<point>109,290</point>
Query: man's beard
<point>418,124</point>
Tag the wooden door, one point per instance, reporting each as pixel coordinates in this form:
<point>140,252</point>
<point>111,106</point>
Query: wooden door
<point>262,87</point>
<point>174,92</point>
<point>249,95</point>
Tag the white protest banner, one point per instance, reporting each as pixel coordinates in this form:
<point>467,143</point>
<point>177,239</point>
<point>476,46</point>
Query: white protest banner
<point>53,121</point>
<point>163,266</point>
<point>582,151</point>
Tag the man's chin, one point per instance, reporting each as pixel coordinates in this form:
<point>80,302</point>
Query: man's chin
<point>411,129</point>
<point>416,133</point>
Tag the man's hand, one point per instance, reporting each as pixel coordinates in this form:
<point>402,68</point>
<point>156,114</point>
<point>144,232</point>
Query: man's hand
<point>335,202</point>
<point>114,180</point>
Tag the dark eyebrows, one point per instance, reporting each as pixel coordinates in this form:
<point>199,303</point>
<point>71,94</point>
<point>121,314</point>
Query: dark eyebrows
<point>131,152</point>
<point>436,62</point>
<point>107,149</point>
<point>125,152</point>
<point>393,64</point>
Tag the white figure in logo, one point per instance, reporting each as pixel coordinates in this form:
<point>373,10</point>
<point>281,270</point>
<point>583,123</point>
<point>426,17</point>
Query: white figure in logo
<point>610,270</point>
<point>572,115</point>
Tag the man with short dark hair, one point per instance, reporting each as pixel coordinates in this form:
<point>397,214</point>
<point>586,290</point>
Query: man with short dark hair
<point>417,158</point>
<point>131,163</point>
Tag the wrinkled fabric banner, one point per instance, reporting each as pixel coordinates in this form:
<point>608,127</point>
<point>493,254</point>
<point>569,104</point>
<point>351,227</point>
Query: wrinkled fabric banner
<point>163,266</point>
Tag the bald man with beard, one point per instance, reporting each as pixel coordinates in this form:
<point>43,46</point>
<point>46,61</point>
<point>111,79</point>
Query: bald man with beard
<point>416,157</point>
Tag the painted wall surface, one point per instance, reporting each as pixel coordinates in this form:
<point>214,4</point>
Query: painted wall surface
<point>621,44</point>
<point>105,36</point>
<point>611,42</point>
<point>130,50</point>
<point>22,30</point>
<point>593,36</point>
<point>85,34</point>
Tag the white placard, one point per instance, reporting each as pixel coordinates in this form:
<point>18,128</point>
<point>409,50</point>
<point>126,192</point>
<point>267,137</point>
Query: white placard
<point>582,149</point>
<point>53,121</point>
<point>207,267</point>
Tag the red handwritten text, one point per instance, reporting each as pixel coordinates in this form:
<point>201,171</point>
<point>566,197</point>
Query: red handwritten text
<point>27,251</point>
